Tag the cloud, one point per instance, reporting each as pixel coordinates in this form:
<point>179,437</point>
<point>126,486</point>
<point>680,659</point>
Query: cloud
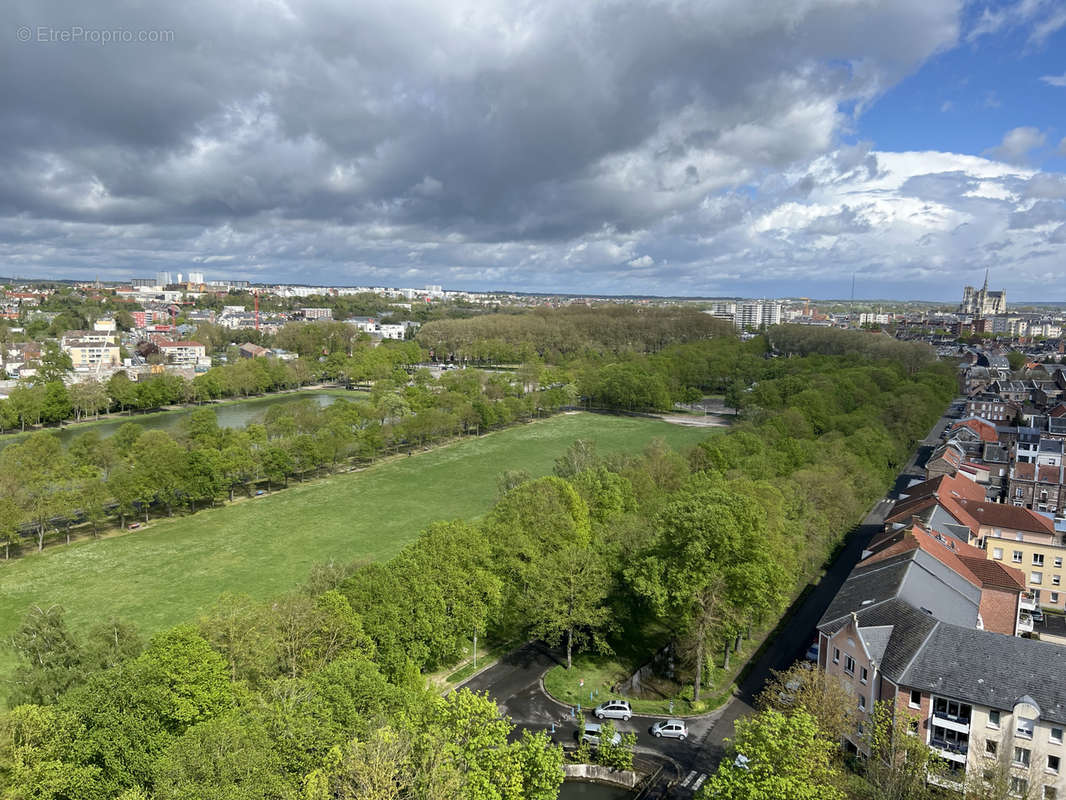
<point>1043,17</point>
<point>1017,144</point>
<point>1054,80</point>
<point>1062,147</point>
<point>1040,213</point>
<point>549,146</point>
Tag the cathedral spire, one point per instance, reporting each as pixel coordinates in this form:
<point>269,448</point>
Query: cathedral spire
<point>985,287</point>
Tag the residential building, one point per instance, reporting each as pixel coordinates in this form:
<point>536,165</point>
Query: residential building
<point>918,624</point>
<point>182,353</point>
<point>92,354</point>
<point>757,314</point>
<point>249,350</point>
<point>317,313</point>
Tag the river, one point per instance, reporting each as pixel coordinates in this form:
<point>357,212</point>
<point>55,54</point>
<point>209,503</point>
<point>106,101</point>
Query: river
<point>584,790</point>
<point>235,414</point>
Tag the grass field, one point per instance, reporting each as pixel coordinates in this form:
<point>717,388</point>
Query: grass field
<point>165,573</point>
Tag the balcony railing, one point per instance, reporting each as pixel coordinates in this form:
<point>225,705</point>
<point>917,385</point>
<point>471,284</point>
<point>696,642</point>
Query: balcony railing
<point>952,751</point>
<point>1028,601</point>
<point>1025,623</point>
<point>952,721</point>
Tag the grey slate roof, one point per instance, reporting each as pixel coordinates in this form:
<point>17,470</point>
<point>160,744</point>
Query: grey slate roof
<point>990,669</point>
<point>915,577</point>
<point>876,638</point>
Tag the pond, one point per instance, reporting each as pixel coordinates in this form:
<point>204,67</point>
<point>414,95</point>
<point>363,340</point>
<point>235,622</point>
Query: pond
<point>230,415</point>
<point>586,790</point>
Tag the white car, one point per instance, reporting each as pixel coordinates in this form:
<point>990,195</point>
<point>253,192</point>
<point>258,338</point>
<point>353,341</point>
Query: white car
<point>614,709</point>
<point>592,733</point>
<point>670,728</point>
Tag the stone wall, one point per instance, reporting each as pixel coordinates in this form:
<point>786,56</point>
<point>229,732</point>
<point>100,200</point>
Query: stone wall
<point>595,772</point>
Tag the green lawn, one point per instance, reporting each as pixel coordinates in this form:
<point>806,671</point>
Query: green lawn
<point>163,574</point>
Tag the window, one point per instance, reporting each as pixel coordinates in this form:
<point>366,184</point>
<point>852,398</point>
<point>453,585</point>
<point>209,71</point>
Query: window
<point>991,747</point>
<point>849,665</point>
<point>993,719</point>
<point>1058,561</point>
<point>863,675</point>
<point>1050,793</point>
<point>1038,559</point>
<point>1036,577</point>
<point>1025,728</point>
<point>1021,757</point>
<point>1053,597</point>
<point>1053,765</point>
<point>912,726</point>
<point>916,698</point>
<point>1018,536</point>
<point>858,728</point>
<point>1056,580</point>
<point>836,655</point>
<point>1019,786</point>
<point>1016,557</point>
<point>997,553</point>
<point>1055,737</point>
<point>862,702</point>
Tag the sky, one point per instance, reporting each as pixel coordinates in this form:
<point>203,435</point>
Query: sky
<point>704,148</point>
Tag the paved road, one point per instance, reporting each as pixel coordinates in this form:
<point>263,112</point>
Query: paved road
<point>515,680</point>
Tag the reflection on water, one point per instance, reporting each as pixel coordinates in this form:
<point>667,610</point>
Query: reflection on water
<point>584,790</point>
<point>230,415</point>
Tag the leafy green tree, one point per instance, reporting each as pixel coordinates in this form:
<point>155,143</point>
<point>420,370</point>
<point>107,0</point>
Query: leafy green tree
<point>616,756</point>
<point>49,657</point>
<point>122,390</point>
<point>225,758</point>
<point>899,764</point>
<point>10,517</point>
<point>110,643</point>
<point>53,365</point>
<point>784,757</point>
<point>713,560</point>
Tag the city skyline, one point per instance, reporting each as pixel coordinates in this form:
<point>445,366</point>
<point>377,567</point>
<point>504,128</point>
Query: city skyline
<point>690,150</point>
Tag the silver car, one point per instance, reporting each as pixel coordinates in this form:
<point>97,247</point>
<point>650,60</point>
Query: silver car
<point>670,728</point>
<point>614,709</point>
<point>592,732</point>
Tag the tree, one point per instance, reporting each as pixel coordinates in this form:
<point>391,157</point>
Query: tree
<point>56,405</point>
<point>53,365</point>
<point>810,690</point>
<point>88,397</point>
<point>122,390</point>
<point>49,657</point>
<point>10,517</point>
<point>226,758</point>
<point>1016,360</point>
<point>784,758</point>
<point>715,563</point>
<point>899,764</point>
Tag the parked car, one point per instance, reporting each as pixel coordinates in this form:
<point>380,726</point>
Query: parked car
<point>812,652</point>
<point>614,709</point>
<point>1037,614</point>
<point>670,728</point>
<point>591,734</point>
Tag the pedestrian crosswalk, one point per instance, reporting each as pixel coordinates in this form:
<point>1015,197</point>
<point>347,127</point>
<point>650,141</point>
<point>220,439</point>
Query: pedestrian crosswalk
<point>694,780</point>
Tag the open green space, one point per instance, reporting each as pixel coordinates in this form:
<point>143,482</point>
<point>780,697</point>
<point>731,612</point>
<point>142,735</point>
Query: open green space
<point>163,574</point>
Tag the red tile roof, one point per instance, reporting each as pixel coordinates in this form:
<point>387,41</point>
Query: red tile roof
<point>1002,515</point>
<point>986,430</point>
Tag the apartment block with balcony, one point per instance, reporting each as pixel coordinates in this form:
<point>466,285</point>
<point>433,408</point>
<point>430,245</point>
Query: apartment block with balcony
<point>911,626</point>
